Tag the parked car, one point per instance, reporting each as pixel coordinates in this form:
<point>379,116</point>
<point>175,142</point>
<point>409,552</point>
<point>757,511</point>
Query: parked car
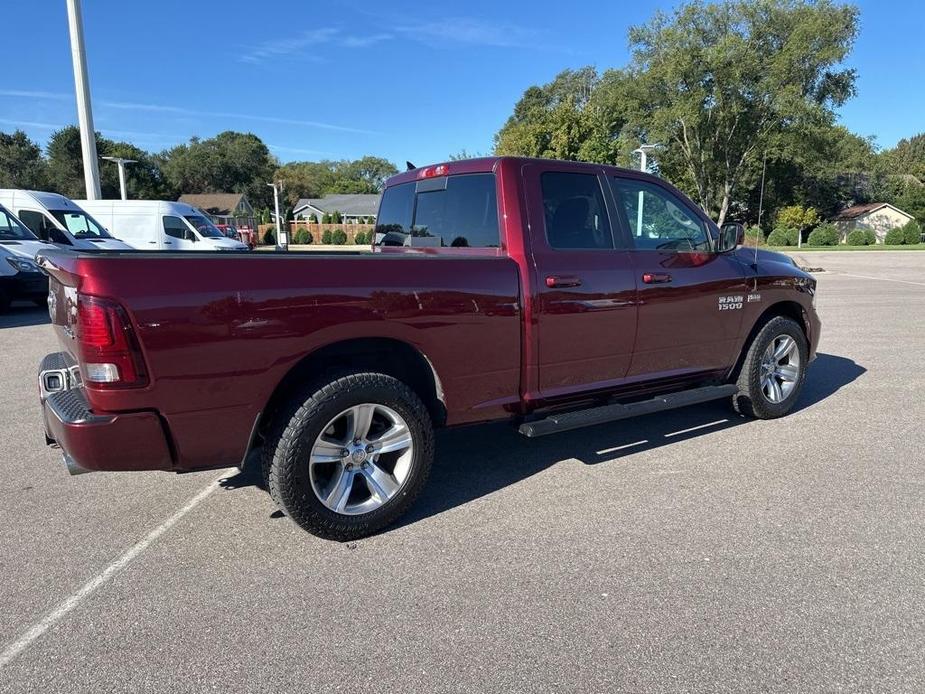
<point>16,237</point>
<point>244,234</point>
<point>58,220</point>
<point>160,225</point>
<point>555,295</point>
<point>20,279</point>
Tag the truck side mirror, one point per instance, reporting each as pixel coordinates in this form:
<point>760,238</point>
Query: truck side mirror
<point>730,236</point>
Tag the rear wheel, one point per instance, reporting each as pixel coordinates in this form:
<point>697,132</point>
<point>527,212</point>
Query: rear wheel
<point>351,456</point>
<point>773,371</point>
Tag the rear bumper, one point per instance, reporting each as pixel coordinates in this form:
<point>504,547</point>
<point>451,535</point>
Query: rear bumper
<point>103,441</point>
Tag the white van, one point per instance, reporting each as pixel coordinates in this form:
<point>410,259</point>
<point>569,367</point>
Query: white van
<point>16,237</point>
<point>56,219</point>
<point>159,225</point>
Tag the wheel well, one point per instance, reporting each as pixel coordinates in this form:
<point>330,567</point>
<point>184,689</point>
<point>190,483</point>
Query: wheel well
<point>382,355</point>
<point>787,309</point>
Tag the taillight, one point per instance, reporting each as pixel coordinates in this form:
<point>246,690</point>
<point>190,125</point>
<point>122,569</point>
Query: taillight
<point>109,351</point>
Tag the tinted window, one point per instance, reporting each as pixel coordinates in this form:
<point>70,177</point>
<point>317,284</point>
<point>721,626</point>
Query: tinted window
<point>455,212</point>
<point>174,226</point>
<point>43,227</point>
<point>395,210</point>
<point>204,226</point>
<point>658,219</point>
<point>576,216</point>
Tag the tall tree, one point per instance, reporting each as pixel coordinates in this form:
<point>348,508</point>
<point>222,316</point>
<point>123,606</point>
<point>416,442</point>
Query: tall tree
<point>21,162</point>
<point>312,179</point>
<point>907,157</point>
<point>717,83</point>
<point>230,162</point>
<point>144,179</point>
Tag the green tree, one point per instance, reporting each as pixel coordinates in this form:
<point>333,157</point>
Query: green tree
<point>229,162</point>
<point>907,157</point>
<point>21,162</point>
<point>717,83</point>
<point>65,174</point>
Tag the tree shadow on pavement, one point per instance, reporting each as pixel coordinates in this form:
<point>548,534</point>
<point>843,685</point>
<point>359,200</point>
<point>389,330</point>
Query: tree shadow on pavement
<point>23,315</point>
<point>474,461</point>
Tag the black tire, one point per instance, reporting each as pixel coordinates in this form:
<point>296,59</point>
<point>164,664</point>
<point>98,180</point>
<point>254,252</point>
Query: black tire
<point>751,400</point>
<point>287,451</point>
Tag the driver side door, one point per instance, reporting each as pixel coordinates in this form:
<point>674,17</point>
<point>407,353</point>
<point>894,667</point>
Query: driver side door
<point>177,235</point>
<point>690,298</point>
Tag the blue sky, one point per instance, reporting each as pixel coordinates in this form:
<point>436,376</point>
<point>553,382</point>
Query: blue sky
<point>403,80</point>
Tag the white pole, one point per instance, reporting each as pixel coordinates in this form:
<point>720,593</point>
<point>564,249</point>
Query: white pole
<point>82,88</point>
<point>282,239</point>
<point>121,165</point>
<point>639,205</point>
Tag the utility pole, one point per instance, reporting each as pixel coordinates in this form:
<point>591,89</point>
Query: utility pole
<point>282,238</point>
<point>120,162</point>
<point>82,88</point>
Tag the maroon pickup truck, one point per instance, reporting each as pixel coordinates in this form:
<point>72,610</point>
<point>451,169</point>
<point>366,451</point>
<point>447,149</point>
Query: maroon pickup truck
<point>552,294</point>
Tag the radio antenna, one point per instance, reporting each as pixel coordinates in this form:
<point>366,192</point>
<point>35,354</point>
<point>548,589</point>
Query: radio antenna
<point>764,166</point>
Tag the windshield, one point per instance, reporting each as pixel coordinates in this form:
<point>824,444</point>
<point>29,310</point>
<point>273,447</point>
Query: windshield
<point>205,228</point>
<point>11,229</point>
<point>80,224</point>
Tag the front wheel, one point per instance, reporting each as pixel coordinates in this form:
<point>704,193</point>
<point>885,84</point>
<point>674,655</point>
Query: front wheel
<point>773,371</point>
<point>352,456</point>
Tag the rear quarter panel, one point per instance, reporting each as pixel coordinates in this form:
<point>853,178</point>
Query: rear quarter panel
<point>220,332</point>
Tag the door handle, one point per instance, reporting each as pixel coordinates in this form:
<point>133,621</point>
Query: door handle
<point>656,278</point>
<point>561,281</point>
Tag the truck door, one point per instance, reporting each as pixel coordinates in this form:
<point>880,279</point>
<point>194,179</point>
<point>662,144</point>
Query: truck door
<point>584,304</point>
<point>690,298</point>
<point>177,234</point>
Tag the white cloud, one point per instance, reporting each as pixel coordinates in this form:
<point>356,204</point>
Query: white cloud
<point>301,45</point>
<point>468,30</point>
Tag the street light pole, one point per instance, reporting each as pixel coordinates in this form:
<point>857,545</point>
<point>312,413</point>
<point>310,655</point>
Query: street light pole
<point>643,166</point>
<point>82,88</point>
<point>282,238</point>
<point>120,162</point>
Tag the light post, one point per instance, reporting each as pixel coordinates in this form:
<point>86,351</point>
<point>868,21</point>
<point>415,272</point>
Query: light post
<point>82,88</point>
<point>282,238</point>
<point>120,162</point>
<point>643,166</point>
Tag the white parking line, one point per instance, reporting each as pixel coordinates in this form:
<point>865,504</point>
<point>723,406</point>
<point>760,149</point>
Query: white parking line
<point>878,279</point>
<point>73,601</point>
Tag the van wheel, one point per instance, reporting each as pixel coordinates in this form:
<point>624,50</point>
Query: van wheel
<point>351,455</point>
<point>773,372</point>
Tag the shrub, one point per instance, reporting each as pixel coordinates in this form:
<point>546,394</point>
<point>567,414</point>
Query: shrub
<point>269,237</point>
<point>754,236</point>
<point>871,237</point>
<point>312,218</point>
<point>336,217</point>
<point>302,237</point>
<point>326,218</point>
<point>339,237</point>
<point>823,235</point>
<point>361,238</point>
<point>783,236</point>
<point>858,237</point>
<point>895,237</point>
<point>797,217</point>
<point>912,233</point>
<point>326,237</point>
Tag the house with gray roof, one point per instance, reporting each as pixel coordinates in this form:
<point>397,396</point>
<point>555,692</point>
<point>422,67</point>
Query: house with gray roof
<point>352,206</point>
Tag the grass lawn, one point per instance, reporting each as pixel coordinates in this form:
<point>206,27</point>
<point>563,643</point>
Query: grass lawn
<point>845,247</point>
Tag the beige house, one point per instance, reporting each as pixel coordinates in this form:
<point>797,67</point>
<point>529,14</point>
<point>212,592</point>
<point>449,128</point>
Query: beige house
<point>879,217</point>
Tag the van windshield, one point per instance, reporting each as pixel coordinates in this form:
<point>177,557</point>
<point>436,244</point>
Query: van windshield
<point>12,230</point>
<point>205,228</point>
<point>80,224</point>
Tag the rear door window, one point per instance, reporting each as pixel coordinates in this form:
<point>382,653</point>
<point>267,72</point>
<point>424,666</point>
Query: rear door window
<point>574,210</point>
<point>447,212</point>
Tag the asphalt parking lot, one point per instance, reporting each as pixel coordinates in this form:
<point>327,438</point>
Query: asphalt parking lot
<point>684,551</point>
